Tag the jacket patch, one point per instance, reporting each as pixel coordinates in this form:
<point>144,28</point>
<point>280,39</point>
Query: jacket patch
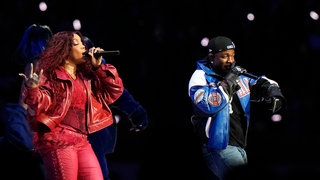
<point>215,99</point>
<point>244,90</point>
<point>198,96</point>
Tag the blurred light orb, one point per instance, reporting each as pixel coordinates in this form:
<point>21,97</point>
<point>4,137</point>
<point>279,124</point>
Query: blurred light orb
<point>204,42</point>
<point>43,6</point>
<point>276,117</point>
<point>77,24</point>
<point>314,15</point>
<point>250,16</point>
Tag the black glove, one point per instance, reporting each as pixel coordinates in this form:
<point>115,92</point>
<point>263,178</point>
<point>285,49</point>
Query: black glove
<point>232,81</point>
<point>269,93</point>
<point>139,120</point>
<point>232,78</point>
<point>275,104</point>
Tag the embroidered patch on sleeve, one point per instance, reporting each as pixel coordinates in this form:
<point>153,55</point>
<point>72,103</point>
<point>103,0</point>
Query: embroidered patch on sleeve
<point>215,99</point>
<point>198,96</point>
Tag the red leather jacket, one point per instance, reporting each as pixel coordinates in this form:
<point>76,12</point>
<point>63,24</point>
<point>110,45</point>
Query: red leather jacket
<point>105,89</point>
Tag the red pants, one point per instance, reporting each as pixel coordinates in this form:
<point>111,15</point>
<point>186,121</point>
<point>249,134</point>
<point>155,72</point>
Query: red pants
<point>68,155</point>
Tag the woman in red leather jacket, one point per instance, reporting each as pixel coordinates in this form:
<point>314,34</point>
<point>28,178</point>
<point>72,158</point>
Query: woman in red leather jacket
<point>68,92</point>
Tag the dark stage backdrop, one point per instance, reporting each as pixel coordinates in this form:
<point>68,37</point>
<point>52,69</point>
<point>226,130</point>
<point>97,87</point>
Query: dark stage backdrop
<point>159,43</point>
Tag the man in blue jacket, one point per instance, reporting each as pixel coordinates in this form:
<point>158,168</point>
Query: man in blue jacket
<point>220,93</point>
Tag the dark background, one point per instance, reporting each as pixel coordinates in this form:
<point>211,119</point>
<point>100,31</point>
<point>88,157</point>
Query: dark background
<point>159,43</point>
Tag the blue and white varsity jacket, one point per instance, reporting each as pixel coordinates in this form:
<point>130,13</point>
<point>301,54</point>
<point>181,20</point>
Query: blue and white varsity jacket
<point>210,100</point>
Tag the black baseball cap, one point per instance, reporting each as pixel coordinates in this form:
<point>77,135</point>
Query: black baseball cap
<point>220,43</point>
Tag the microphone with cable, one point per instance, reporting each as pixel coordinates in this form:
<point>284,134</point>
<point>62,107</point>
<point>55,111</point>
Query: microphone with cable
<point>242,71</point>
<point>249,75</point>
<point>103,53</point>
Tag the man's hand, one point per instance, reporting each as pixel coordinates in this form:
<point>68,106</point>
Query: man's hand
<point>139,120</point>
<point>275,104</point>
<point>232,79</point>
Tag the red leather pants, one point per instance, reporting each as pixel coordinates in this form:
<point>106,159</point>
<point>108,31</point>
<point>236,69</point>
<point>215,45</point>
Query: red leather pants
<point>68,155</point>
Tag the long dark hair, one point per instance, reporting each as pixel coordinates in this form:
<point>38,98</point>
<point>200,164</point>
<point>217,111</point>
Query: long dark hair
<point>57,50</point>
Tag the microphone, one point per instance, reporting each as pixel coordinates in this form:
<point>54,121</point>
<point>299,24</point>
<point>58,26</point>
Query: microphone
<point>104,53</point>
<point>249,75</point>
<point>243,71</point>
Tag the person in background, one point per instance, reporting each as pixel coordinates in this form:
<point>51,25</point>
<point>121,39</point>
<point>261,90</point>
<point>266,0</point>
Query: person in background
<point>17,147</point>
<point>220,93</point>
<point>68,95</point>
<point>104,141</point>
<point>31,45</point>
